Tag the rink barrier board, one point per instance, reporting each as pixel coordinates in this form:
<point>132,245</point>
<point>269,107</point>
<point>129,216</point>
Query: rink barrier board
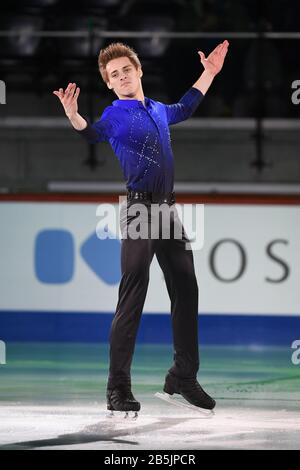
<point>218,329</point>
<point>223,329</point>
<point>216,198</point>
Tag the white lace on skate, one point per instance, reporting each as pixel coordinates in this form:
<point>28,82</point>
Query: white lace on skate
<point>177,402</point>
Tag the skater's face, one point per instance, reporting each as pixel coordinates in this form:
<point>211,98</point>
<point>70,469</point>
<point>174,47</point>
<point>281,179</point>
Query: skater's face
<point>124,78</point>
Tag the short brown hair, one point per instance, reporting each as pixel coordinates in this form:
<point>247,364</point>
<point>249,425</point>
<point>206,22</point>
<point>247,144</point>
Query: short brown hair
<point>114,51</point>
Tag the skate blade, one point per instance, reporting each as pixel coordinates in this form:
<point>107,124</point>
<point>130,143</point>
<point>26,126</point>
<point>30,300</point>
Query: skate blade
<point>174,401</point>
<point>123,415</point>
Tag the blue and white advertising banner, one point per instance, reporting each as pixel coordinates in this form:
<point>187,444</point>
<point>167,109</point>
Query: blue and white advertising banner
<point>53,261</point>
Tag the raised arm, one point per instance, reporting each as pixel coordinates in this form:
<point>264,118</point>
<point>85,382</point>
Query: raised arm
<point>68,99</point>
<point>101,131</point>
<point>212,66</point>
<point>186,106</point>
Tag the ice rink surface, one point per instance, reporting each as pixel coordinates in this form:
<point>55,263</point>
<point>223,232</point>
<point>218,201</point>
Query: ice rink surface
<point>52,397</point>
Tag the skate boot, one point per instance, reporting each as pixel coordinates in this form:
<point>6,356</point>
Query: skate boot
<point>190,390</point>
<point>120,398</point>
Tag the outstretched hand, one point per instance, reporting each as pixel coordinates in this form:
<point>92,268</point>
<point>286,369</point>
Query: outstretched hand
<point>214,62</point>
<point>68,98</point>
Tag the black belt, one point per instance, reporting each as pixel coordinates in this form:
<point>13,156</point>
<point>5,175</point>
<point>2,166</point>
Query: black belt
<point>168,198</point>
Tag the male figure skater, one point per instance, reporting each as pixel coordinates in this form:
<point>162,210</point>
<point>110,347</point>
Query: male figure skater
<point>137,128</point>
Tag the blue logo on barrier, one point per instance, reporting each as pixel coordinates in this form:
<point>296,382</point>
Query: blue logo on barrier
<point>54,256</point>
<point>103,257</point>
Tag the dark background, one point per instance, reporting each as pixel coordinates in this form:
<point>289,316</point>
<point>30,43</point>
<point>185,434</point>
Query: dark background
<point>255,83</point>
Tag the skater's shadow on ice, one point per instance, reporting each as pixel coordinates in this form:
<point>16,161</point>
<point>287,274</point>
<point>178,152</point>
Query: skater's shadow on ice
<point>109,430</point>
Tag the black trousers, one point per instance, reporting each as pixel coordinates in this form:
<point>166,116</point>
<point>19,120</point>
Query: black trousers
<point>177,265</point>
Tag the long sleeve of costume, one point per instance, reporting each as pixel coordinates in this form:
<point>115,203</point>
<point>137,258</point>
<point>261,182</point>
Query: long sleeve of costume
<point>103,129</point>
<point>185,107</point>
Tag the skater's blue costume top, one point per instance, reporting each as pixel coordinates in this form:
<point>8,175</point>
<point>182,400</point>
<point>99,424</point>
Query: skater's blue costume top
<point>140,138</point>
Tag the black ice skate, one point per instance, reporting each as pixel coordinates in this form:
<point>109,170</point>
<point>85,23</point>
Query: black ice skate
<point>120,398</point>
<point>191,391</point>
